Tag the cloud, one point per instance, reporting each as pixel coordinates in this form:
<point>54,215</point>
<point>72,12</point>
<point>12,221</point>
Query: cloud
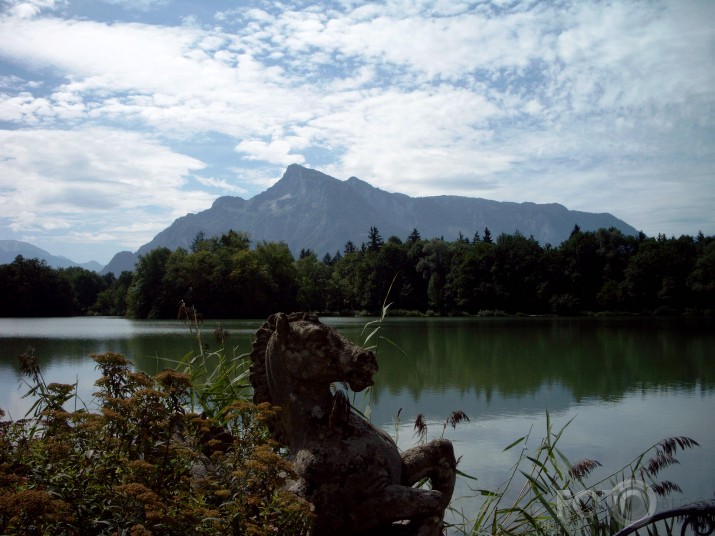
<point>221,184</point>
<point>141,5</point>
<point>273,152</point>
<point>67,181</point>
<point>26,9</point>
<point>548,63</point>
<point>575,83</point>
<point>427,130</point>
<point>565,102</point>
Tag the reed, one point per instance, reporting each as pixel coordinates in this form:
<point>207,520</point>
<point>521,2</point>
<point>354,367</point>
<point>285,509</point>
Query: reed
<point>555,497</point>
<point>219,377</point>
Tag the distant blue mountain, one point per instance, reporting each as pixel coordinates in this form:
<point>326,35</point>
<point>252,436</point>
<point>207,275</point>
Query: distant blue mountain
<point>9,249</point>
<point>309,209</point>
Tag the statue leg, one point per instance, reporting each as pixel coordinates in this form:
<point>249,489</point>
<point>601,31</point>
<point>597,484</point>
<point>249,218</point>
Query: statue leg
<point>423,508</point>
<point>435,461</point>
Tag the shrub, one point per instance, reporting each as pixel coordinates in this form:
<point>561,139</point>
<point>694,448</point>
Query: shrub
<point>142,462</point>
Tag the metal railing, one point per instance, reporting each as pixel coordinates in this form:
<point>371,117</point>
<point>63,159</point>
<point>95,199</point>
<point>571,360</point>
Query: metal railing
<point>696,519</point>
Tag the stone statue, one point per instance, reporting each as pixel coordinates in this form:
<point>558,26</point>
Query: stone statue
<point>348,469</point>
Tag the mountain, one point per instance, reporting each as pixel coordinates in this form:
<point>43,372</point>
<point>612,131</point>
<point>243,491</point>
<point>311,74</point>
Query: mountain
<point>9,249</point>
<point>123,261</point>
<point>309,209</point>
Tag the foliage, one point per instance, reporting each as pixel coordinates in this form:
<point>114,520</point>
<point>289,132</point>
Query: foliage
<point>112,301</point>
<point>142,463</point>
<point>29,287</point>
<point>147,297</point>
<point>590,272</point>
<point>217,378</point>
<point>554,496</point>
<point>312,278</point>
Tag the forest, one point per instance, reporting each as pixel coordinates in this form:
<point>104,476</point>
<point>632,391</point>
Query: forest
<point>603,271</point>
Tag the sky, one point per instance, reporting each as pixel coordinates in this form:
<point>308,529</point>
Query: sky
<point>118,116</point>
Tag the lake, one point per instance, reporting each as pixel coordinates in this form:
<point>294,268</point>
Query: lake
<point>627,382</point>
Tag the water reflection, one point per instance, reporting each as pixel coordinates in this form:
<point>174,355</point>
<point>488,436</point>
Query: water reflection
<point>514,362</point>
<point>505,365</point>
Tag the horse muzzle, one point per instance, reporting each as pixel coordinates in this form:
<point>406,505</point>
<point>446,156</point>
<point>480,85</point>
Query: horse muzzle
<point>364,367</point>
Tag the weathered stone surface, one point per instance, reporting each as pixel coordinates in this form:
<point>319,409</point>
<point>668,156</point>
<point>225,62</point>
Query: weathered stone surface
<point>352,472</point>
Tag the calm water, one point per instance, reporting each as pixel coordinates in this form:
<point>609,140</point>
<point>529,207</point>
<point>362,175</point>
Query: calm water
<point>629,382</point>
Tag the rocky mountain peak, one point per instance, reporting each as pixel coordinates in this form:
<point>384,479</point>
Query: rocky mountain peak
<point>308,209</point>
<point>297,174</point>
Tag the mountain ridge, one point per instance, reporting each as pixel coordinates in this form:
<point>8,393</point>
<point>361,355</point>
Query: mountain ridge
<point>308,209</point>
<point>9,249</point>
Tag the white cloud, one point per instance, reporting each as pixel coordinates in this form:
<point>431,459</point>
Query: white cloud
<point>531,101</point>
<point>582,60</point>
<point>221,184</point>
<point>275,152</point>
<point>439,133</point>
<point>26,9</point>
<point>55,180</point>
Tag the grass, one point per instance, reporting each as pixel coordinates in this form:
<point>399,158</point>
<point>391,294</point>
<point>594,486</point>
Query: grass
<point>218,378</point>
<point>544,493</point>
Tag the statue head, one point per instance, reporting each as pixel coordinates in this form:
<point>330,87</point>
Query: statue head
<point>310,353</point>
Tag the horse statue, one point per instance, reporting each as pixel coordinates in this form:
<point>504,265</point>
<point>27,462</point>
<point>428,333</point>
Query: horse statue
<point>350,471</point>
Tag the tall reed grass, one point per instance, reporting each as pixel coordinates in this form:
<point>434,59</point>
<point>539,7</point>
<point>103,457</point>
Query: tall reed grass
<point>219,377</point>
<point>545,493</point>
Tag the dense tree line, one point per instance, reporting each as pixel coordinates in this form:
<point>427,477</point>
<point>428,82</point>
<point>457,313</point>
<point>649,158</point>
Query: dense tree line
<point>29,287</point>
<point>223,277</point>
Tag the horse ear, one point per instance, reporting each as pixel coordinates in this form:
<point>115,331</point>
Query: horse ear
<point>282,327</point>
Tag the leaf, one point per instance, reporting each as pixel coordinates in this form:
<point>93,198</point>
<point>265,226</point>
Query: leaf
<point>531,520</point>
<point>535,483</point>
<point>385,309</point>
<point>536,461</point>
<point>486,493</point>
<point>515,443</point>
<point>374,331</point>
<point>368,324</point>
<point>465,475</point>
<point>394,344</point>
<point>564,459</point>
<point>554,516</point>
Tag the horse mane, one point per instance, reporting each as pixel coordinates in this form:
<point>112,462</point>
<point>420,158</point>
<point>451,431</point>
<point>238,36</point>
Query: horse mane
<point>259,379</point>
